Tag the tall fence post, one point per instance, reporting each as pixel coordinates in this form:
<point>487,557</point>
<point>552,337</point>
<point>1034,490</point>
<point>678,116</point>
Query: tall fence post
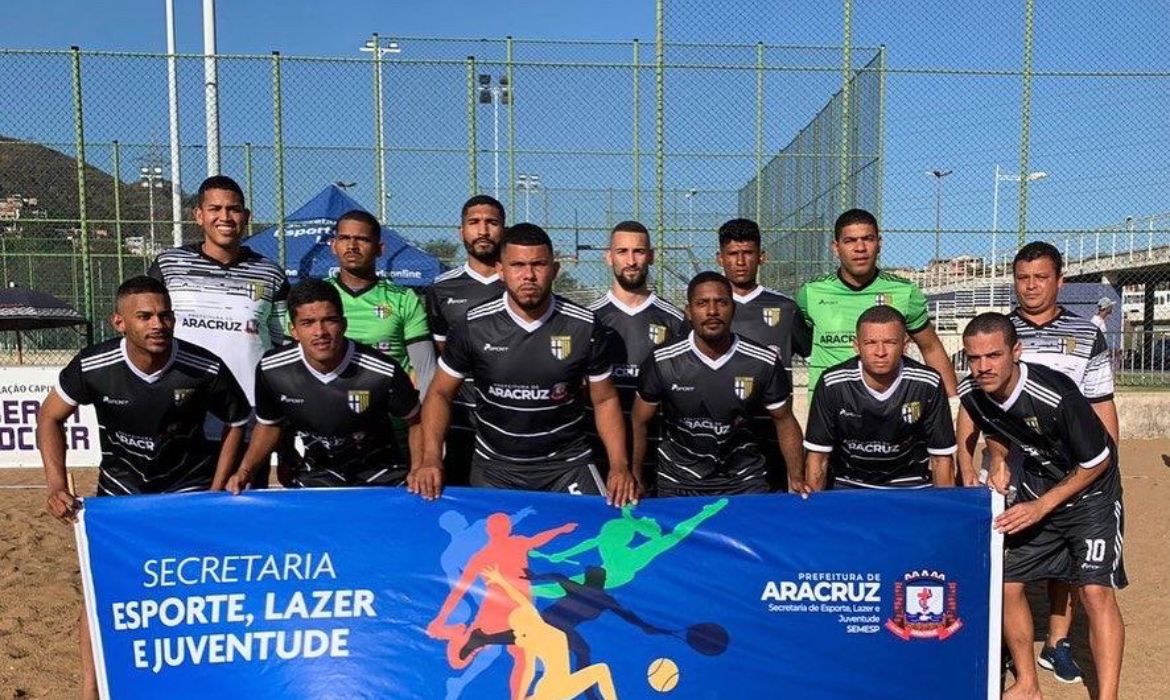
<point>118,205</point>
<point>82,205</point>
<point>759,132</point>
<point>846,78</point>
<point>278,155</point>
<point>472,145</point>
<point>660,139</point>
<point>511,125</point>
<point>1025,122</point>
<point>881,134</point>
<point>248,181</point>
<point>637,122</point>
<point>379,129</point>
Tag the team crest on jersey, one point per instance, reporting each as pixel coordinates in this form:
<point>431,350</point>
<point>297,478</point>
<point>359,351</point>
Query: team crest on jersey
<point>744,386</point>
<point>1032,422</point>
<point>1070,345</point>
<point>382,311</point>
<point>926,606</point>
<point>256,291</point>
<point>358,401</point>
<point>911,412</point>
<point>657,333</point>
<point>182,395</point>
<point>881,299</point>
<point>561,346</point>
<point>772,316</point>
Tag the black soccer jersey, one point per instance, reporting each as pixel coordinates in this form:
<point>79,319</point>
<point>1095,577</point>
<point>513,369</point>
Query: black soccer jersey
<point>341,419</point>
<point>151,425</point>
<point>636,332</point>
<point>708,445</point>
<point>1072,346</point>
<point>880,439</point>
<point>770,318</point>
<point>529,380</point>
<point>1053,425</point>
<point>236,311</point>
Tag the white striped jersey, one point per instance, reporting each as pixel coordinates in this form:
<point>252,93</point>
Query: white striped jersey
<point>1049,421</point>
<point>880,440</point>
<point>236,311</point>
<point>1072,346</point>
<point>341,418</point>
<point>529,382</point>
<point>151,425</point>
<point>707,404</point>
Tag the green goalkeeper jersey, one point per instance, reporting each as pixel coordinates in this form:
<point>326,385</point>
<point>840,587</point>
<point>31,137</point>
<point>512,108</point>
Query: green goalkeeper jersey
<point>384,316</point>
<point>832,306</point>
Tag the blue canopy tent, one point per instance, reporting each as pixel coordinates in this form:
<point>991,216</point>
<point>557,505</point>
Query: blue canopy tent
<point>306,238</point>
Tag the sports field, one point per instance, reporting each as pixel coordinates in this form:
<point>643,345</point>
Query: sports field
<point>40,589</point>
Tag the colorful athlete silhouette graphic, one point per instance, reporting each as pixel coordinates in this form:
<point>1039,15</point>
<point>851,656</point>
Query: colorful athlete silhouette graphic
<point>466,540</point>
<point>540,643</point>
<point>621,559</point>
<point>507,554</point>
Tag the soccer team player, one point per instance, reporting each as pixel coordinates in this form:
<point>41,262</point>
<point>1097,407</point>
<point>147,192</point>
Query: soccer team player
<point>524,365</point>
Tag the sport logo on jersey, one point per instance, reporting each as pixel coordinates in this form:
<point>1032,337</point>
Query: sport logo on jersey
<point>382,311</point>
<point>926,606</point>
<point>358,401</point>
<point>772,316</point>
<point>911,412</point>
<point>881,299</point>
<point>657,333</point>
<point>561,346</point>
<point>182,395</point>
<point>744,386</point>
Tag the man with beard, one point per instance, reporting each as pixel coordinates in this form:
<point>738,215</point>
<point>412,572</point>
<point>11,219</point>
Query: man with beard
<point>447,301</point>
<point>637,318</point>
<point>712,383</point>
<point>531,354</point>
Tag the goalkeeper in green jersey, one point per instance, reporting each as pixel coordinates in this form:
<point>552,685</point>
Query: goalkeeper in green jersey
<point>832,303</point>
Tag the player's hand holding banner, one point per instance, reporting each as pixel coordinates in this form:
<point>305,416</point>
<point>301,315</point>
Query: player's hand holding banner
<point>379,594</point>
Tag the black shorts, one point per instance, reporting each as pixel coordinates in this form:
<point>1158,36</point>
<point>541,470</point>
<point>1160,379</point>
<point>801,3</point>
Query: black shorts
<point>1080,544</point>
<point>458,450</point>
<point>577,479</point>
<point>669,490</point>
<point>394,475</point>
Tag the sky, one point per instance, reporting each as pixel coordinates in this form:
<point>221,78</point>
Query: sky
<point>1102,139</point>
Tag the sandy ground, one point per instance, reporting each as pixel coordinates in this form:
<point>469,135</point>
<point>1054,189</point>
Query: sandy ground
<point>40,588</point>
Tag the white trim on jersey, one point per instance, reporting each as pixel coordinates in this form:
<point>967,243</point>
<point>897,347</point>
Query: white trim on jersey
<point>921,375</point>
<point>375,365</point>
<point>883,395</point>
<point>943,452</point>
<point>813,447</point>
<point>154,376</point>
<point>543,433</point>
<point>62,393</point>
<point>329,376</point>
<point>265,421</point>
<point>750,296</point>
<point>765,355</point>
<point>645,400</point>
<point>524,323</point>
<point>621,306</point>
<point>1042,394</point>
<point>490,279</point>
<point>1096,460</point>
<point>668,308</point>
<point>101,359</point>
<point>778,404</point>
<point>716,363</point>
<point>600,377</point>
<point>573,311</point>
<point>447,368</point>
<point>1019,389</point>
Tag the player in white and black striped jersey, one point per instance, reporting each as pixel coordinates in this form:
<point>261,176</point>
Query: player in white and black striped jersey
<point>709,386</point>
<point>531,354</point>
<point>336,395</point>
<point>880,420</point>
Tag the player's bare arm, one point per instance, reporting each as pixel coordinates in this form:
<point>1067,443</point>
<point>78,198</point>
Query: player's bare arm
<point>1024,515</point>
<point>1107,412</point>
<point>426,476</point>
<point>265,438</point>
<point>942,470</point>
<point>621,486</point>
<point>229,452</point>
<point>935,356</point>
<point>791,439</point>
<point>816,470</point>
<point>51,441</point>
<point>999,476</point>
<point>967,434</point>
<point>640,417</point>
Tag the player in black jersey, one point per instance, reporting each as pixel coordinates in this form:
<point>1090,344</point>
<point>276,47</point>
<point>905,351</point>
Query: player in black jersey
<point>1068,520</point>
<point>151,393</point>
<point>337,395</point>
<point>764,316</point>
<point>638,321</point>
<point>711,383</point>
<point>880,420</point>
<point>481,224</point>
<point>531,353</point>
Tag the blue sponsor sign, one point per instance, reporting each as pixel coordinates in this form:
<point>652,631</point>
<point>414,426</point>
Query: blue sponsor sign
<point>374,593</point>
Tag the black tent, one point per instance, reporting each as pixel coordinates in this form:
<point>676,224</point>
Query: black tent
<point>23,310</point>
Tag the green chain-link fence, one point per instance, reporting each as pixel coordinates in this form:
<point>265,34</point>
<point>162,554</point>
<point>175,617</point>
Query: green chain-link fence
<point>1032,136</point>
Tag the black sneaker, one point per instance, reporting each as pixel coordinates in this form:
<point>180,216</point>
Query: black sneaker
<point>1059,660</point>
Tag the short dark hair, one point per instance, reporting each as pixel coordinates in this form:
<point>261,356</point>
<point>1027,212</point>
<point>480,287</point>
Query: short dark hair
<point>630,226</point>
<point>739,231</point>
<point>853,216</point>
<point>141,284</point>
<point>1040,249</point>
<point>219,182</point>
<point>705,277</point>
<point>882,313</point>
<point>525,234</point>
<point>364,217</point>
<point>480,200</point>
<point>992,322</point>
<point>311,291</point>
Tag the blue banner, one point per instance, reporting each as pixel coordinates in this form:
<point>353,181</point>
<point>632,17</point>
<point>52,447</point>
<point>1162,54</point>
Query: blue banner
<point>374,593</point>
